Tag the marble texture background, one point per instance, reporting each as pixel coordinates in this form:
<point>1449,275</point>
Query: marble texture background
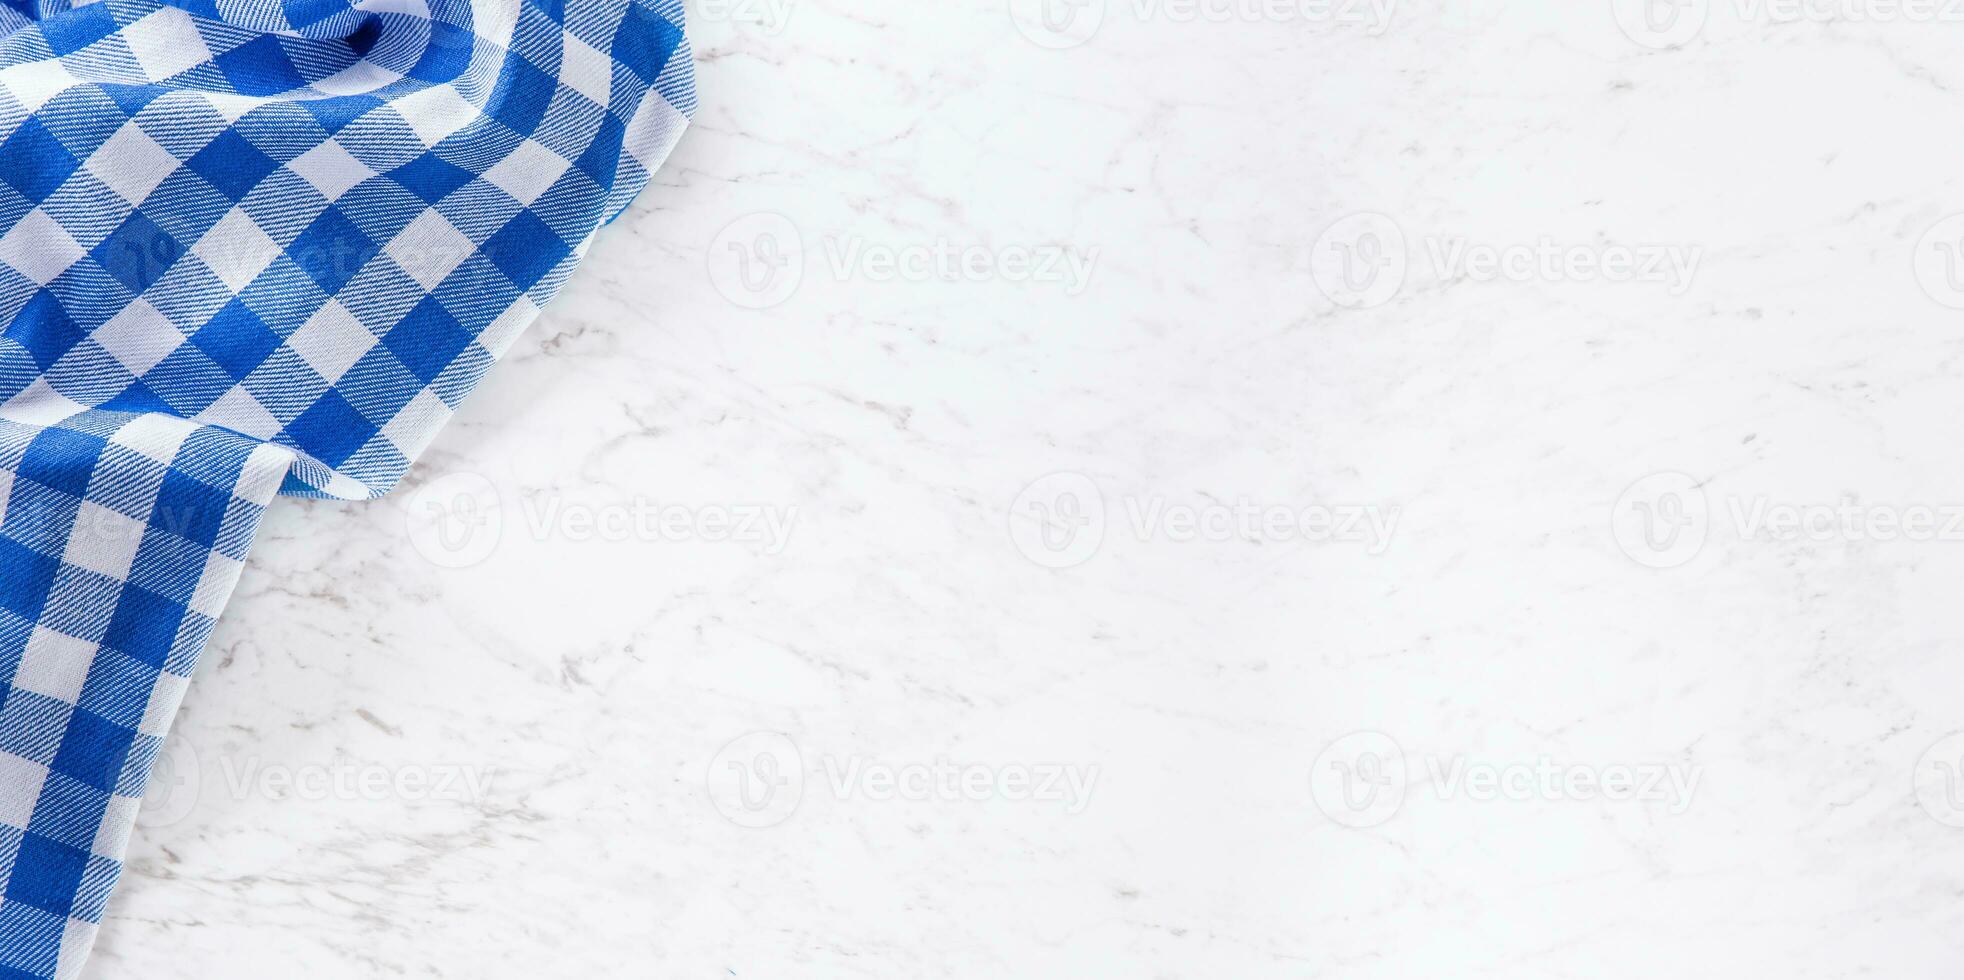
<point>1113,451</point>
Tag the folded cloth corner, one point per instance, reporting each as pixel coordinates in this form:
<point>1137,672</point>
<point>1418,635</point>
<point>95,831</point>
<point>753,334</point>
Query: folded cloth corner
<point>248,248</point>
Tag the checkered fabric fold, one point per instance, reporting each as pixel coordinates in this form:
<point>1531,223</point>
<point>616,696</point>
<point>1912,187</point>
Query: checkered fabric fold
<point>251,247</point>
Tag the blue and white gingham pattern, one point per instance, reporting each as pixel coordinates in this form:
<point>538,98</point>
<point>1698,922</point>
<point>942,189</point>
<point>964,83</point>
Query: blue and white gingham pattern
<point>248,247</point>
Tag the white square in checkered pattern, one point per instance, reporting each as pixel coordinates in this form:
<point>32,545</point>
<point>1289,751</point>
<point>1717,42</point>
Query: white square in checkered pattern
<point>104,541</point>
<point>494,22</point>
<point>39,247</point>
<point>153,435</point>
<point>221,573</point>
<point>131,163</point>
<point>435,112</point>
<point>41,404</point>
<point>239,411</point>
<point>231,106</point>
<point>331,169</point>
<point>33,84</point>
<point>331,341</point>
<point>264,470</point>
<point>20,789</point>
<point>138,337</point>
<point>586,71</point>
<point>341,486</point>
<point>165,43</point>
<point>112,837</point>
<point>236,249</point>
<point>527,172</point>
<point>6,491</point>
<point>428,248</point>
<point>416,426</point>
<point>54,664</point>
<point>653,131</point>
<point>508,327</point>
<point>76,938</point>
<point>165,696</point>
<point>357,79</point>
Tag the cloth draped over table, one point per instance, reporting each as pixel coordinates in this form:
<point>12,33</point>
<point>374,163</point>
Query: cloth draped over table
<point>251,247</point>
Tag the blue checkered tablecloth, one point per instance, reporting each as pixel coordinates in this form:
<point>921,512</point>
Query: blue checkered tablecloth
<point>251,247</point>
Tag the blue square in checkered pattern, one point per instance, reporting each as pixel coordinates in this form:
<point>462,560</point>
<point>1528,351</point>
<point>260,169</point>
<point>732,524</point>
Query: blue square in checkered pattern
<point>232,164</point>
<point>526,248</point>
<point>430,177</point>
<point>26,577</point>
<point>138,252</point>
<point>332,250</point>
<point>44,329</point>
<point>334,428</point>
<point>78,28</point>
<point>92,750</point>
<point>427,340</point>
<point>190,508</point>
<point>144,626</point>
<point>61,460</point>
<point>47,874</point>
<point>260,67</point>
<point>236,340</point>
<point>34,162</point>
<point>250,247</point>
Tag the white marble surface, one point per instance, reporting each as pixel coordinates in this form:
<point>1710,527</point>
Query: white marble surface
<point>1768,693</point>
